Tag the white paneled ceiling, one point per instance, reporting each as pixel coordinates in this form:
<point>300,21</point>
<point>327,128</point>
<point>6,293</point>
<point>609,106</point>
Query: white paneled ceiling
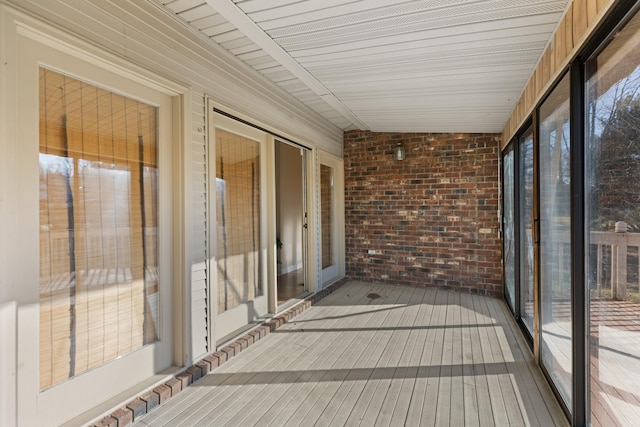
<point>387,65</point>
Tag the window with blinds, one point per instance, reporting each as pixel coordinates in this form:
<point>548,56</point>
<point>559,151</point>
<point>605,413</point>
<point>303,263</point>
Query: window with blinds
<point>99,297</point>
<point>238,219</point>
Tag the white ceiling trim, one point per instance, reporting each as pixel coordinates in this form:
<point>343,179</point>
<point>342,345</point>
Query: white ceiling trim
<point>250,29</point>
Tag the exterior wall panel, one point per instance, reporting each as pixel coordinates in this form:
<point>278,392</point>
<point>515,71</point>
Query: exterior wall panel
<point>199,322</point>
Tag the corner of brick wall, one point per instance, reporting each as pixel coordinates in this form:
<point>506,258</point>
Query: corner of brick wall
<point>430,220</point>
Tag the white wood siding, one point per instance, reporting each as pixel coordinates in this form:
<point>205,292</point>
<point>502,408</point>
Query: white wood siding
<point>199,275</point>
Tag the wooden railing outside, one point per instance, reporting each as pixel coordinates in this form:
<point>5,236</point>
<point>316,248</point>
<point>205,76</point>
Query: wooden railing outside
<point>619,241</point>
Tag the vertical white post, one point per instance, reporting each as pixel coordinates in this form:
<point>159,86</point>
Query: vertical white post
<point>599,270</point>
<point>620,290</point>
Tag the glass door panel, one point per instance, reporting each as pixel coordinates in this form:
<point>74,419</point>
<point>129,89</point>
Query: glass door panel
<point>526,231</point>
<point>240,278</point>
<point>508,177</point>
<point>612,204</point>
<point>555,242</point>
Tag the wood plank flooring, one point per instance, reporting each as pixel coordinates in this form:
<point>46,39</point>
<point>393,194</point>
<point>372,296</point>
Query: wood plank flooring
<point>290,285</point>
<point>372,354</point>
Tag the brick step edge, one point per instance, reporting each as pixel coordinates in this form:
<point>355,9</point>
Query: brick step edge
<point>142,405</point>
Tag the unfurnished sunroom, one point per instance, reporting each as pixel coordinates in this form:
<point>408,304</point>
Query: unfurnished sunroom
<point>178,174</point>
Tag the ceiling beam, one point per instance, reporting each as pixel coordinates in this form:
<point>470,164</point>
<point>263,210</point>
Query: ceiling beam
<point>233,14</point>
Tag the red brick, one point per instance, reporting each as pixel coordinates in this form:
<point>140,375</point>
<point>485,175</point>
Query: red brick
<point>152,399</point>
<point>124,416</point>
<point>138,408</point>
<point>164,393</point>
<point>222,357</point>
<point>249,339</point>
<point>213,361</point>
<point>107,422</point>
<point>205,367</point>
<point>243,342</point>
<point>175,385</point>
<point>185,379</point>
<point>229,350</point>
<point>256,335</point>
<point>195,372</point>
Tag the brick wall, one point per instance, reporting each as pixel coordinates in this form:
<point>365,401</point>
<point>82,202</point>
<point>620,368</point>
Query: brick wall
<point>429,220</point>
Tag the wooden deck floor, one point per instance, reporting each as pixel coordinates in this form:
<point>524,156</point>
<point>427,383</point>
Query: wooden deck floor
<point>377,355</point>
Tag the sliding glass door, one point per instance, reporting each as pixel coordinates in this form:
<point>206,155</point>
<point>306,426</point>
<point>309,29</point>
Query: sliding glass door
<point>526,215</point>
<point>517,225</point>
<point>555,243</point>
<point>613,229</point>
<point>537,245</point>
<point>240,237</point>
<point>508,226</point>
